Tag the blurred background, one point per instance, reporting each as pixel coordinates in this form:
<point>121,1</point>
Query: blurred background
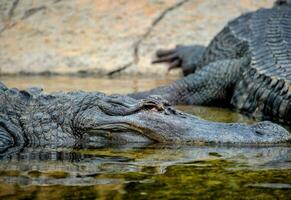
<point>106,37</point>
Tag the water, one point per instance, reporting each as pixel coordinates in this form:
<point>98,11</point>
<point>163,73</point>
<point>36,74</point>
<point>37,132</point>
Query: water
<point>144,172</point>
<point>72,83</point>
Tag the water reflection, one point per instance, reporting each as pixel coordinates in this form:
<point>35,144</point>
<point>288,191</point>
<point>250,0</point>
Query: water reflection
<point>152,172</point>
<point>37,166</point>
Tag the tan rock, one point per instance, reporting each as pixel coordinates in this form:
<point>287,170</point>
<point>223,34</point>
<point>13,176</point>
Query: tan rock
<point>101,36</point>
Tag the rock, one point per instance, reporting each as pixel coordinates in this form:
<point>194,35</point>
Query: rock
<point>105,37</point>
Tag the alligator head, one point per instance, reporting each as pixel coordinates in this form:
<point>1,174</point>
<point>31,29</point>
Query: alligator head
<point>126,120</point>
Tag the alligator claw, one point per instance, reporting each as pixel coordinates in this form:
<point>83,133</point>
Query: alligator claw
<point>170,56</point>
<point>184,57</point>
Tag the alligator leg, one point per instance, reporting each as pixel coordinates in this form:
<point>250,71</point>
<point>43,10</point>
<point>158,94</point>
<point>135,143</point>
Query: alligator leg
<point>206,86</point>
<point>184,57</point>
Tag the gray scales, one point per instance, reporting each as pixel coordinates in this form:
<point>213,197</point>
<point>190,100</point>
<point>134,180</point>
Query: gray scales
<point>246,66</point>
<point>30,118</point>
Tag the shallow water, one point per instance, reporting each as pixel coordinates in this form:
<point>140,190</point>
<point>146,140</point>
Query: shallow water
<point>144,172</point>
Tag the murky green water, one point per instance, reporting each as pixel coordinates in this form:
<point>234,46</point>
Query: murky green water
<point>144,172</point>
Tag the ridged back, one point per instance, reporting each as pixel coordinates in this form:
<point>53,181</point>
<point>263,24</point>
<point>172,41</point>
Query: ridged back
<point>270,44</point>
<point>230,43</point>
<point>266,86</point>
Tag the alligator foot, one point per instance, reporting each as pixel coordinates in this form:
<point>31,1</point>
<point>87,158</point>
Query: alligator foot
<point>184,57</point>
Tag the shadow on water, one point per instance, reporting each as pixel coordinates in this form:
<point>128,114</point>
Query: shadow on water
<point>144,172</point>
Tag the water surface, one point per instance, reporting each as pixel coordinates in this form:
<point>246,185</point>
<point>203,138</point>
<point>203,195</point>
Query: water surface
<point>144,172</point>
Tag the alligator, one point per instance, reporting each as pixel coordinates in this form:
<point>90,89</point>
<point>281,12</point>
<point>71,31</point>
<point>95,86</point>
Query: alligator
<point>247,66</point>
<point>31,118</point>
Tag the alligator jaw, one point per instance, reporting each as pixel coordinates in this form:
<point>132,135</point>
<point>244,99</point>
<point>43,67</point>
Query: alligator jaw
<point>125,120</point>
<point>174,127</point>
<point>119,133</point>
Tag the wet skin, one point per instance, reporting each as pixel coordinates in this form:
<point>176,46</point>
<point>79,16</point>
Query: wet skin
<point>31,118</point>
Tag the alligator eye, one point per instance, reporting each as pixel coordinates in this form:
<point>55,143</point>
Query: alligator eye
<point>154,109</point>
<point>151,107</point>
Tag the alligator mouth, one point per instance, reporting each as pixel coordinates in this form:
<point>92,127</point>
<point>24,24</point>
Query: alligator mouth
<point>122,133</point>
<point>151,121</point>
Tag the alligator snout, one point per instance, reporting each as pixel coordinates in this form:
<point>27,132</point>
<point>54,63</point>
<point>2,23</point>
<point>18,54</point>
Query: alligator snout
<point>271,132</point>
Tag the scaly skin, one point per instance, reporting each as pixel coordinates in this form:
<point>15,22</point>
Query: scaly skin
<point>246,66</point>
<point>30,118</point>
